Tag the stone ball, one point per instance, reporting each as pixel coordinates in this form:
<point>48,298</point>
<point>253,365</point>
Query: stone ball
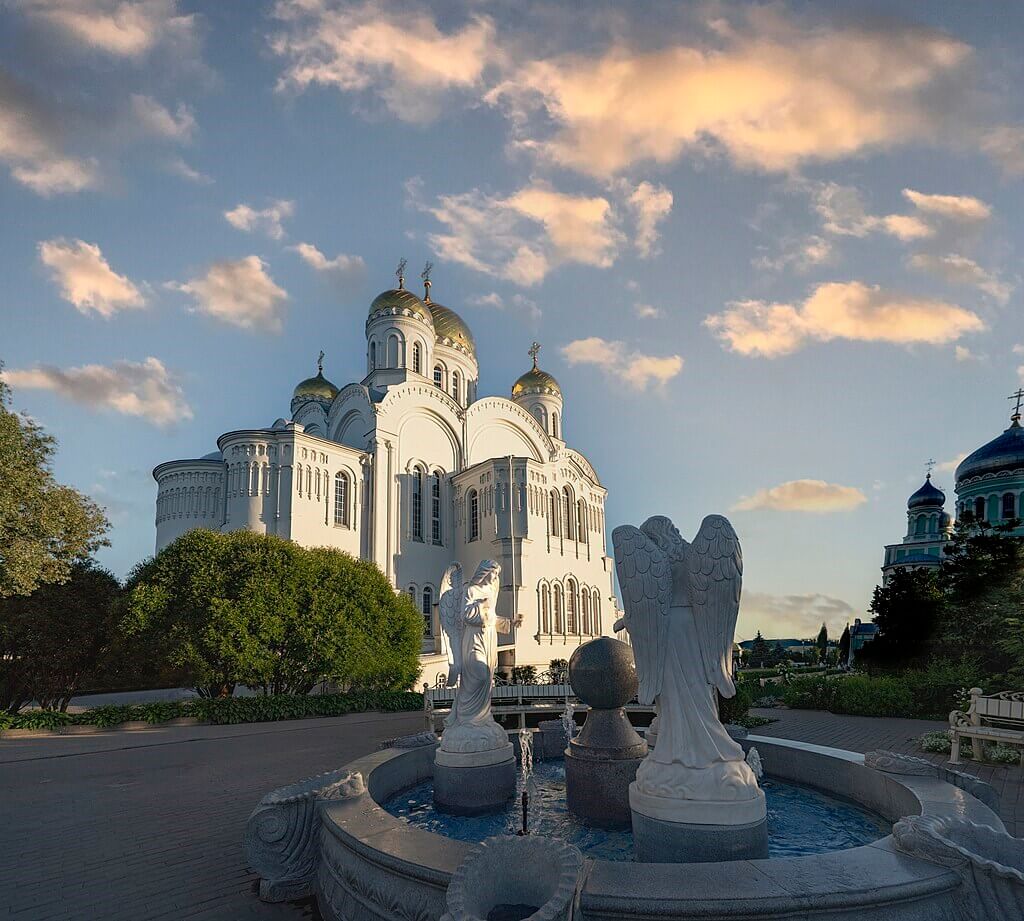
<point>603,674</point>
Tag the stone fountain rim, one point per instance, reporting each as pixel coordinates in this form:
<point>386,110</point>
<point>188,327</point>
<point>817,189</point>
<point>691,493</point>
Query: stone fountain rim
<point>871,874</point>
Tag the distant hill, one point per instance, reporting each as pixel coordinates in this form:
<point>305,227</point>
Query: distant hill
<point>786,643</point>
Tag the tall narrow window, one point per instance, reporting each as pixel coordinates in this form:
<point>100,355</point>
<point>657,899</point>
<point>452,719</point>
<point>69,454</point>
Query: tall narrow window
<point>1009,506</point>
<point>435,508</point>
<point>570,608</point>
<point>559,616</point>
<point>553,512</point>
<point>341,499</point>
<point>373,355</point>
<point>455,384</point>
<point>545,609</point>
<point>979,509</point>
<point>595,612</point>
<point>417,358</point>
<point>585,613</point>
<point>581,521</point>
<point>428,605</point>
<point>417,504</point>
<point>412,595</point>
<point>568,514</point>
<point>473,499</point>
<point>554,425</point>
<point>438,376</point>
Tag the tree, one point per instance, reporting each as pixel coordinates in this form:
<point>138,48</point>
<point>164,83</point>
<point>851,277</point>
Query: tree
<point>44,527</point>
<point>907,610</point>
<point>844,646</point>
<point>244,608</point>
<point>776,654</point>
<point>822,643</point>
<point>52,641</point>
<point>759,652</point>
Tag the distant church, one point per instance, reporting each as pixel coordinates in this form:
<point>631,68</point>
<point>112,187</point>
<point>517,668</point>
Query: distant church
<point>411,469</point>
<point>989,486</point>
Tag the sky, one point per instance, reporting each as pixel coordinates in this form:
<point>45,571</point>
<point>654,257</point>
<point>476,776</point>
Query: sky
<point>770,250</point>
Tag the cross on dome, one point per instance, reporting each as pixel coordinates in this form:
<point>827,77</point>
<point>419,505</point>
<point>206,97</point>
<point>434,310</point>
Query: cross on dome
<point>425,275</point>
<point>400,272</point>
<point>320,362</point>
<point>533,352</point>
<point>1018,396</point>
<point>929,465</point>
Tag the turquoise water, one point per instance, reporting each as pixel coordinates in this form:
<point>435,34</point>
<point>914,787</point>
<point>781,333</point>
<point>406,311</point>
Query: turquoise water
<point>800,820</point>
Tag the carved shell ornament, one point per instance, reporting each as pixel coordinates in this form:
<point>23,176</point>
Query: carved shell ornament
<point>894,763</point>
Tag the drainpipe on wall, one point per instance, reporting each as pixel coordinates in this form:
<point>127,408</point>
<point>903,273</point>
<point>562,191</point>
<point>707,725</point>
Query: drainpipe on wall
<point>512,547</point>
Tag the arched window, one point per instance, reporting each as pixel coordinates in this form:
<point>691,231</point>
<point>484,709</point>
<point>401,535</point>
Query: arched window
<point>919,524</point>
<point>435,508</point>
<point>417,504</point>
<point>570,608</point>
<point>417,358</point>
<point>568,514</point>
<point>373,354</point>
<point>473,501</point>
<point>428,605</point>
<point>1009,506</point>
<point>595,612</point>
<point>455,384</point>
<point>585,612</point>
<point>412,595</point>
<point>581,521</point>
<point>341,499</point>
<point>559,618</point>
<point>540,415</point>
<point>545,609</point>
<point>554,424</point>
<point>394,351</point>
<point>979,509</point>
<point>554,513</point>
<point>438,376</point>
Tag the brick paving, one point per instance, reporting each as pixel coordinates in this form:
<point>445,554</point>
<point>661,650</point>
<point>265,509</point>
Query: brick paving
<point>129,826</point>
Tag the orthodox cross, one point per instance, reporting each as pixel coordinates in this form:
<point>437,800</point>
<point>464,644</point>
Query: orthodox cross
<point>929,466</point>
<point>533,352</point>
<point>425,275</point>
<point>1018,396</point>
<point>320,362</point>
<point>400,272</point>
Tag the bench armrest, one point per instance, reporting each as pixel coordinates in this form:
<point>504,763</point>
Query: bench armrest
<point>959,719</point>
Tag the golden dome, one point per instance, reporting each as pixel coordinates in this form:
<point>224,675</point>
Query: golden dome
<point>315,388</point>
<point>449,325</point>
<point>534,380</point>
<point>401,299</point>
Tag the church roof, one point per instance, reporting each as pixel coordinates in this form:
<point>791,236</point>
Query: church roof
<point>315,388</point>
<point>927,495</point>
<point>536,379</point>
<point>449,325</point>
<point>401,299</point>
<point>1005,452</point>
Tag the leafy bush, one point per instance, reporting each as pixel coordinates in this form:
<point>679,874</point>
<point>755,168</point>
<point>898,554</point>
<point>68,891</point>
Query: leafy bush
<point>862,696</point>
<point>558,669</point>
<point>812,693</point>
<point>40,719</point>
<point>1002,754</point>
<point>938,742</point>
<point>938,688</point>
<point>766,702</point>
<point>160,711</point>
<point>734,709</point>
<point>524,674</point>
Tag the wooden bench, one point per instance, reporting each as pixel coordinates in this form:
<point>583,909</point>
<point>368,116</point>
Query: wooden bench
<point>995,718</point>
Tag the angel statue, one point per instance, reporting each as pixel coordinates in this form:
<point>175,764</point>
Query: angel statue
<point>470,626</point>
<point>681,602</point>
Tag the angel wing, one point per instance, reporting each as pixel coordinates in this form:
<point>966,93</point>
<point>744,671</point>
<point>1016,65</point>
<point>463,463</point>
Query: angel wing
<point>451,604</point>
<point>715,564</point>
<point>645,577</point>
<point>666,535</point>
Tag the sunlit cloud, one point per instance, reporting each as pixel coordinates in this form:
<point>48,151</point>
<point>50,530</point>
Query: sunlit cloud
<point>957,269</point>
<point>949,466</point>
<point>617,360</point>
<point>1005,145</point>
<point>648,311</point>
<point>650,204</point>
<point>238,292</point>
<point>178,167</point>
<point>86,279</point>
<point>516,304</point>
<point>962,354</point>
<point>157,120</point>
<point>840,310</point>
<point>342,267</point>
<point>792,616</point>
<point>816,496</point>
<point>266,220</point>
<point>801,254</point>
<point>145,389</point>
<point>959,208</point>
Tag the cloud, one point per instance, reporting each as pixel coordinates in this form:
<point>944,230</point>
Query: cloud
<point>959,208</point>
<point>156,120</point>
<point>1005,145</point>
<point>402,57</point>
<point>840,310</point>
<point>792,616</point>
<point>815,496</point>
<point>342,267</point>
<point>268,220</point>
<point>120,28</point>
<point>515,304</point>
<point>961,353</point>
<point>949,466</point>
<point>86,279</point>
<point>145,389</point>
<point>178,167</point>
<point>637,370</point>
<point>957,269</point>
<point>770,93</point>
<point>648,312</point>
<point>31,144</point>
<point>650,204</point>
<point>525,235</point>
<point>238,292</point>
<point>801,253</point>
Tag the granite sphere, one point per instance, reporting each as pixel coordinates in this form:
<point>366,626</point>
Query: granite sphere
<point>603,674</point>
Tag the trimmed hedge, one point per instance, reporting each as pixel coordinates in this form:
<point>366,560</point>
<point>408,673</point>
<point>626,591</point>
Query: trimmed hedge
<point>222,710</point>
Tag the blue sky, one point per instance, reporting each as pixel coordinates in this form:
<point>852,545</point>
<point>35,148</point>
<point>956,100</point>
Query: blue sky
<point>770,250</point>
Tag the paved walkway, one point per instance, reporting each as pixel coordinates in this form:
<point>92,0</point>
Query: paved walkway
<point>148,825</point>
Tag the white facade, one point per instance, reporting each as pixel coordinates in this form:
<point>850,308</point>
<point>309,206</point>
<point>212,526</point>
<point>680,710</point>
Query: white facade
<point>410,469</point>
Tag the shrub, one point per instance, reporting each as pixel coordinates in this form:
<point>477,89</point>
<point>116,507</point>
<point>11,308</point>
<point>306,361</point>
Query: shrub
<point>1002,754</point>
<point>811,693</point>
<point>40,719</point>
<point>862,696</point>
<point>766,702</point>
<point>937,689</point>
<point>107,716</point>
<point>558,669</point>
<point>524,674</point>
<point>734,709</point>
<point>938,742</point>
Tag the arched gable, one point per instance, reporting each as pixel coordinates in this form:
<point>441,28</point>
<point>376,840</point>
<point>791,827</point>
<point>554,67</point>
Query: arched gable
<point>584,466</point>
<point>352,420</point>
<point>496,427</point>
<point>428,424</point>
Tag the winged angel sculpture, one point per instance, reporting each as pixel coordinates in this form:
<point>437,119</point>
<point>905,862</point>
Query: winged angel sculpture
<point>681,602</point>
<point>470,626</point>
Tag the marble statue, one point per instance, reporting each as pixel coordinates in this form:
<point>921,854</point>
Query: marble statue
<point>681,602</point>
<point>470,627</point>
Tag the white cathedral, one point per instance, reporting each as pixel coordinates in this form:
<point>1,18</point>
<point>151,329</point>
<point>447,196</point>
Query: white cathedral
<point>410,468</point>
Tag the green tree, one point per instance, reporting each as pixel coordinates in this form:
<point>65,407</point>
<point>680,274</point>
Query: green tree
<point>776,654</point>
<point>822,643</point>
<point>244,608</point>
<point>44,527</point>
<point>52,641</point>
<point>907,610</point>
<point>759,652</point>
<point>844,645</point>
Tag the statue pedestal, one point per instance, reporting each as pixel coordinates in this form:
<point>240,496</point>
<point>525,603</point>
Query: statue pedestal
<point>696,831</point>
<point>474,783</point>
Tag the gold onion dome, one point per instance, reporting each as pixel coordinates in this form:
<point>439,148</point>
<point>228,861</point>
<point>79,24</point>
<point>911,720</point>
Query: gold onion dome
<point>315,388</point>
<point>536,380</point>
<point>449,325</point>
<point>399,299</point>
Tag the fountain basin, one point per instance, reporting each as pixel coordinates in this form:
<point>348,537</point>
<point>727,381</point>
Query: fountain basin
<point>374,866</point>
